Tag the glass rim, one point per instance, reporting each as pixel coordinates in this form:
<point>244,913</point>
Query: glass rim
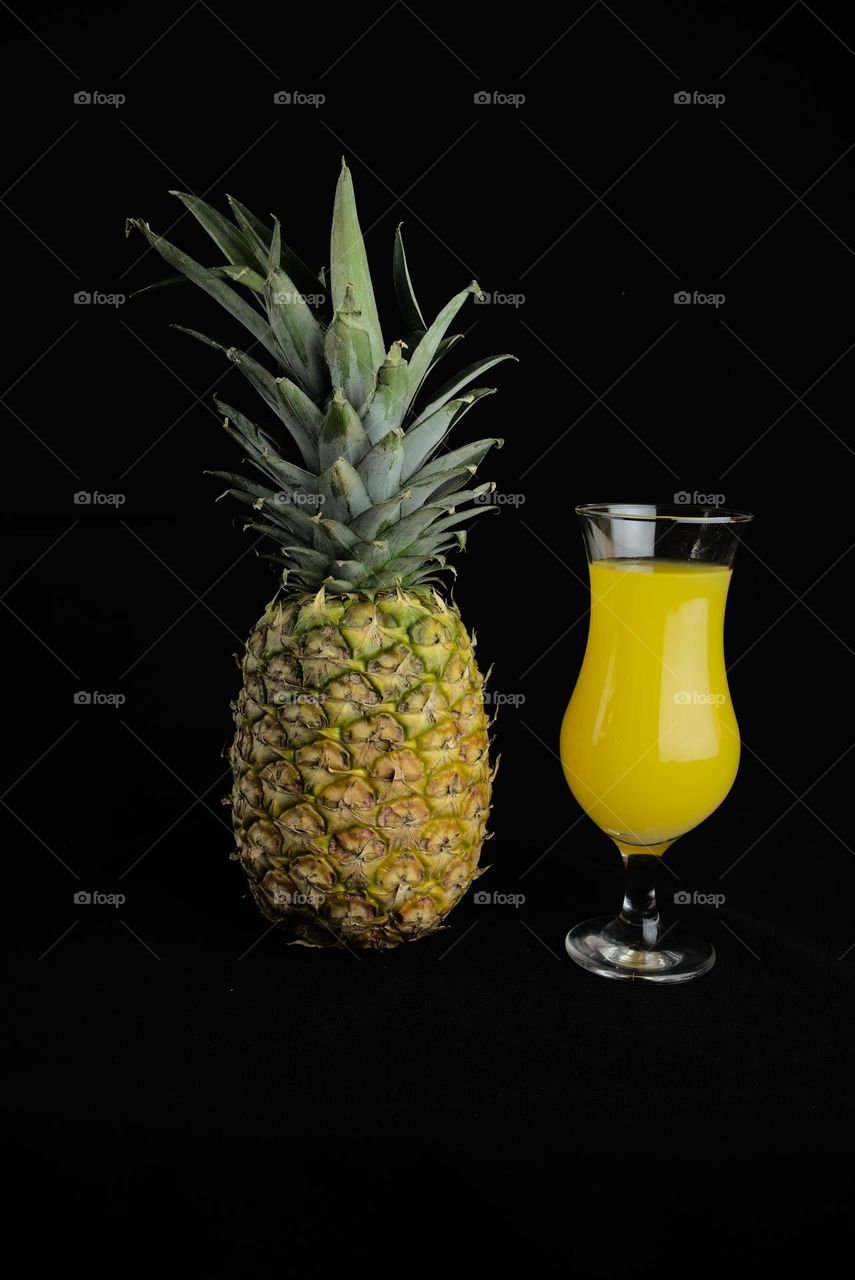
<point>680,513</point>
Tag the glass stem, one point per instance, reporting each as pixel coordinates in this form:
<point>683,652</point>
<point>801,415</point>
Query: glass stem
<point>639,909</point>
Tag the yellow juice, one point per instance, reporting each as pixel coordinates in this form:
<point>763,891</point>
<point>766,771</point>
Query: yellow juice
<point>649,743</point>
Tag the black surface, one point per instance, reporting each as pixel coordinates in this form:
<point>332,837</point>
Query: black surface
<point>475,1083</point>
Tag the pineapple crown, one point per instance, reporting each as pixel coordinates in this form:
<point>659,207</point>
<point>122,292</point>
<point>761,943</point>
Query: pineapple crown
<point>377,501</point>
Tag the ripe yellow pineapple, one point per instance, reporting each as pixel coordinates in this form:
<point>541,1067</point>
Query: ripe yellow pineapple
<point>361,761</point>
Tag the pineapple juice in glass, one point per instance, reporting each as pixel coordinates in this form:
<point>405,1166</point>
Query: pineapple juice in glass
<point>649,742</point>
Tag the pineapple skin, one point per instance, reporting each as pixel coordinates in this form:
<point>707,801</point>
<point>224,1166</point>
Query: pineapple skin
<point>362,779</point>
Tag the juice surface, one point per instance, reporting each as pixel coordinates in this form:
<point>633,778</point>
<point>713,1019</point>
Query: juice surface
<point>650,743</point>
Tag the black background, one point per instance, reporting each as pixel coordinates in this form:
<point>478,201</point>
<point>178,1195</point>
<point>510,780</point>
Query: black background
<point>477,1085</point>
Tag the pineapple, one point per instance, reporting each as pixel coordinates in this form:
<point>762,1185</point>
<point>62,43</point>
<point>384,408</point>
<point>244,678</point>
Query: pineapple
<point>361,764</point>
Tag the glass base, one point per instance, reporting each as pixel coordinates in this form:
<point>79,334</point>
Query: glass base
<point>613,948</point>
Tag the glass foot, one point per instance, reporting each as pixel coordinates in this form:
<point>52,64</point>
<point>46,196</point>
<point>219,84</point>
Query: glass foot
<point>614,948</point>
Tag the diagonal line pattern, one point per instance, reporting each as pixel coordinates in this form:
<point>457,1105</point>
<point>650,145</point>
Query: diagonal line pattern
<point>125,925</point>
<point>53,453</point>
<point>53,53</point>
<point>59,939</point>
<point>359,39</point>
<point>538,938</point>
<point>197,599</point>
<point>162,36</point>
<point>41,641</point>
<point>38,158</point>
<point>761,37</point>
<point>799,799</point>
<point>53,853</point>
<point>798,200</point>
<point>29,369</point>
<point>240,41</point>
<point>175,775</point>
<point>173,825</point>
<point>39,759</point>
<point>598,199</point>
<point>797,399</point>
<point>599,400</point>
<point>735,935</point>
<point>39,559</point>
<point>799,600</point>
<point>53,253</point>
<point>637,37</point>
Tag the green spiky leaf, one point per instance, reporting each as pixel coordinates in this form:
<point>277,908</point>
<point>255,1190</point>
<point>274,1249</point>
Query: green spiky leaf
<point>263,453</point>
<point>411,316</point>
<point>422,441</point>
<point>214,286</point>
<point>341,434</point>
<point>344,494</point>
<point>224,233</point>
<point>372,506</point>
<point>381,467</point>
<point>349,264</point>
<point>297,332</point>
<point>423,356</point>
<point>456,383</point>
<point>385,411</point>
<point>347,347</point>
<point>254,231</point>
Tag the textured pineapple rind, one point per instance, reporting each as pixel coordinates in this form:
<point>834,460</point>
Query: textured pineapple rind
<point>361,766</point>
